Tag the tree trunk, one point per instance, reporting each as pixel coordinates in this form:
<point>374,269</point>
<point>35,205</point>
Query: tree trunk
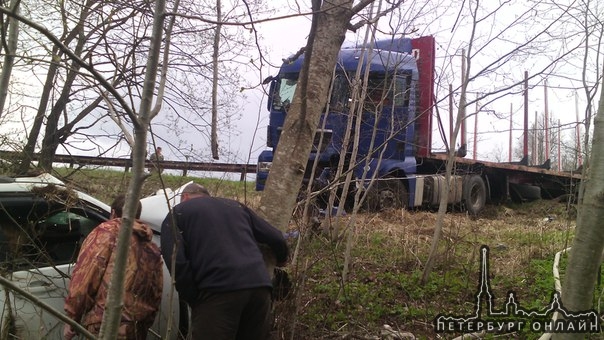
<point>588,244</point>
<point>9,53</point>
<point>57,53</point>
<point>328,31</point>
<point>51,139</point>
<point>215,64</point>
<point>115,297</point>
<point>36,127</point>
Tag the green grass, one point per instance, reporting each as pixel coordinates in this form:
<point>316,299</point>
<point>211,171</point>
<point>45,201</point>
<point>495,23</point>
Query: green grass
<point>106,184</point>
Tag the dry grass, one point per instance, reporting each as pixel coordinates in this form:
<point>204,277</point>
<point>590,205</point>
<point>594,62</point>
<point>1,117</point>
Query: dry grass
<point>388,255</point>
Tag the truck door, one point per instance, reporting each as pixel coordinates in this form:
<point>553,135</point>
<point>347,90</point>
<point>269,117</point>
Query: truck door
<point>384,117</point>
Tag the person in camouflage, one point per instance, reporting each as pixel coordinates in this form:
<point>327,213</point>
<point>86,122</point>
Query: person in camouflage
<point>87,296</point>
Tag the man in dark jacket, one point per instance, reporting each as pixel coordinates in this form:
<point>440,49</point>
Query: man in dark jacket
<point>210,245</point>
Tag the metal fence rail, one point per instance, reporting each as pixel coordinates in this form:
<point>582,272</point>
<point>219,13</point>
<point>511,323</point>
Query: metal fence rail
<point>126,163</point>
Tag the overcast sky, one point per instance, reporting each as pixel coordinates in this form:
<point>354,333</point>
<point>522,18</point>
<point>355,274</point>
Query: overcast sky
<point>451,30</point>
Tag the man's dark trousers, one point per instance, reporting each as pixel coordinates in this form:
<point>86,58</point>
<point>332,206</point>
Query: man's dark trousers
<point>241,314</point>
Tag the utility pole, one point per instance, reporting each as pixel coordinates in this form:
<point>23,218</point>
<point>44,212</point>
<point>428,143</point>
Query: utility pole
<point>463,143</point>
<point>510,143</point>
<point>526,123</point>
<point>452,143</point>
<point>475,127</point>
<point>546,132</point>
<point>559,151</point>
<point>579,155</point>
<point>534,149</point>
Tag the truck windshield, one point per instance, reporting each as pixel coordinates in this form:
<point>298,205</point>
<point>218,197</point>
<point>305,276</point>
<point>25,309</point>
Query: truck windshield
<point>382,90</point>
<point>286,85</point>
<point>284,91</point>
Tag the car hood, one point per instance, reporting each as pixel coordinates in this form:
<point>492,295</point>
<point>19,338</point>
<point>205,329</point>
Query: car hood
<point>156,207</point>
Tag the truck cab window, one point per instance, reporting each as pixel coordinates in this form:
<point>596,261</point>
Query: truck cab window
<point>340,94</point>
<point>284,92</point>
<point>402,90</point>
<point>286,86</point>
<point>387,91</point>
<point>379,93</point>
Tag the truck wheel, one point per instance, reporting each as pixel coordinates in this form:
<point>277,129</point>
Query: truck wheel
<point>524,192</point>
<point>391,194</point>
<point>474,194</point>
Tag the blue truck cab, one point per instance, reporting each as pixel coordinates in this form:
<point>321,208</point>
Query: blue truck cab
<point>386,104</point>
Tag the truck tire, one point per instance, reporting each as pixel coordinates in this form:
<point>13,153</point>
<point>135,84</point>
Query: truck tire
<point>391,194</point>
<point>474,194</point>
<point>524,192</point>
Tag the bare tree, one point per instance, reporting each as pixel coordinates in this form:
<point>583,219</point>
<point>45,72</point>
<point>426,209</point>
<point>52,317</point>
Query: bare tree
<point>329,25</point>
<point>588,243</point>
<point>85,38</point>
<point>113,40</point>
<point>496,64</point>
<point>113,315</point>
<point>141,123</point>
<point>9,45</point>
<point>214,128</point>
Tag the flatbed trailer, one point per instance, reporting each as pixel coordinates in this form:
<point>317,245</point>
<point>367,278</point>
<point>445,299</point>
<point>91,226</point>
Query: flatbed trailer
<point>502,182</point>
<point>392,159</point>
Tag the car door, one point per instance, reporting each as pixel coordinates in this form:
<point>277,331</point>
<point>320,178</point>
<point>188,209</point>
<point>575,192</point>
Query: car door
<point>40,237</point>
<point>39,243</point>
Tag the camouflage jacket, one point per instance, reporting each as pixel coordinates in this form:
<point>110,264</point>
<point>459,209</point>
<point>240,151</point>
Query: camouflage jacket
<point>85,302</point>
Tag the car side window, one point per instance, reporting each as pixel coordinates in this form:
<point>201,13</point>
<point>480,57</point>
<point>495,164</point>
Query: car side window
<point>60,236</point>
<point>36,233</point>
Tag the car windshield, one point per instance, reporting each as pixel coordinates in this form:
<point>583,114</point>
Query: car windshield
<point>36,232</point>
